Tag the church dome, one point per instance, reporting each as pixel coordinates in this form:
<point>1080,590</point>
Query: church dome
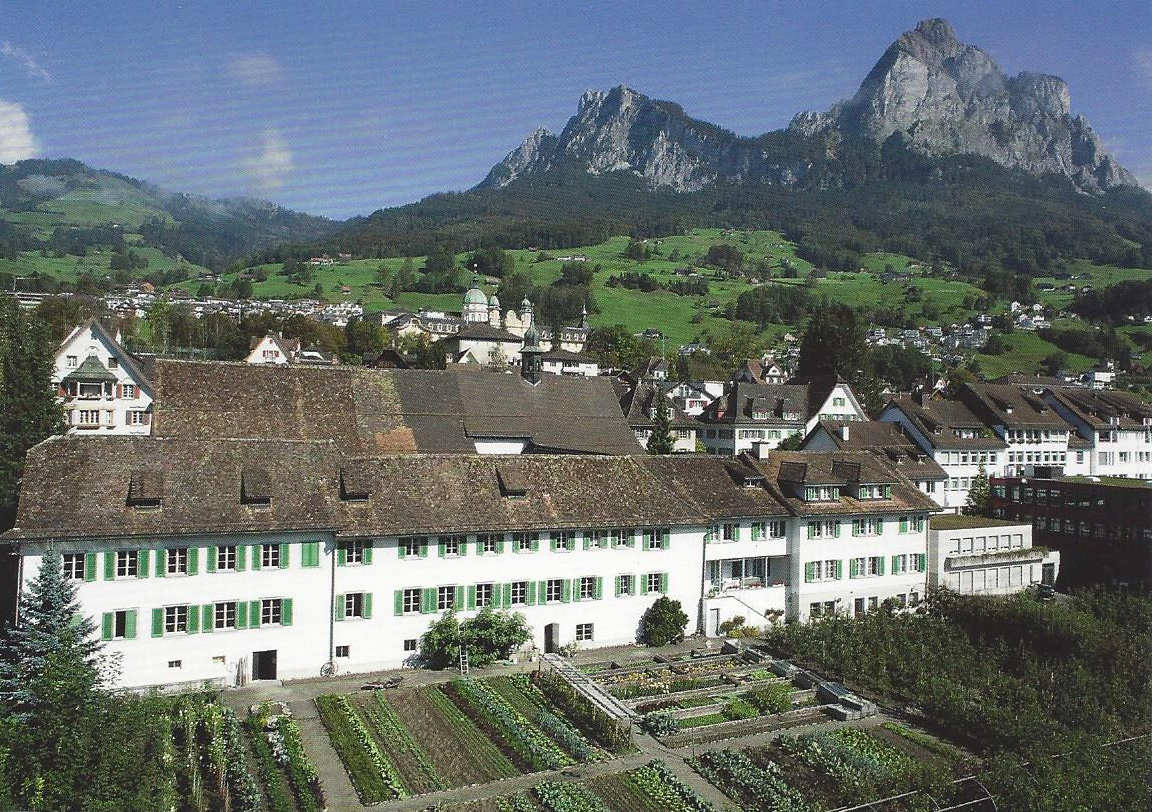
<point>475,296</point>
<point>494,302</point>
<point>526,304</point>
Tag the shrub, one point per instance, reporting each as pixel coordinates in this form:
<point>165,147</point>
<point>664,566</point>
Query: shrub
<point>663,623</point>
<point>739,709</point>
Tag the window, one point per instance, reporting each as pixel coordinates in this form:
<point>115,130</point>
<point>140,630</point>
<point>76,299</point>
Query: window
<point>621,537</point>
<point>873,603</point>
<point>825,529</point>
<point>583,632</point>
<point>758,531</point>
<point>226,557</point>
<point>177,561</point>
<point>88,417</point>
<point>271,611</point>
<point>875,565</point>
<point>519,593</point>
<point>175,619</point>
<point>626,585</point>
<point>72,360</point>
<point>654,581</point>
<point>596,539</point>
<point>730,532</point>
<point>224,615</point>
<point>126,563</point>
<point>828,570</point>
<point>137,417</point>
<point>121,623</point>
<point>659,539</point>
<point>113,362</point>
<point>451,545</point>
<point>554,590</point>
<point>587,588</point>
<point>352,552</point>
<point>410,644</point>
<point>129,391</point>
<point>410,601</point>
<point>858,607</point>
<point>562,540</point>
<point>344,651</point>
<point>816,609</point>
<point>483,595</point>
<point>175,663</point>
<point>270,555</point>
<point>411,546</point>
<point>899,564</point>
<point>74,566</point>
<point>776,529</point>
<point>446,598</point>
<point>488,544</point>
<point>523,542</point>
<point>867,527</point>
<point>353,605</point>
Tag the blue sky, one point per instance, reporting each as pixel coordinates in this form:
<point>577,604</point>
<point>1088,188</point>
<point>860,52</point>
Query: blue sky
<point>342,108</point>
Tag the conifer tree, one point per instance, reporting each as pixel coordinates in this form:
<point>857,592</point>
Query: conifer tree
<point>660,441</point>
<point>979,496</point>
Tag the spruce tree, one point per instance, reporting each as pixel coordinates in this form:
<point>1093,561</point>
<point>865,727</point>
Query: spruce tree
<point>979,496</point>
<point>660,441</point>
<point>49,659</point>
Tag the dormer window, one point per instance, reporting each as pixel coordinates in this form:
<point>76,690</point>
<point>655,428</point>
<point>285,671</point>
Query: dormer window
<point>821,493</point>
<point>255,487</point>
<point>759,414</point>
<point>145,488</point>
<point>355,484</point>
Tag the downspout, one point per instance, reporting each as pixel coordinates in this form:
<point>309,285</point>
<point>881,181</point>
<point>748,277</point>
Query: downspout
<point>331,661</point>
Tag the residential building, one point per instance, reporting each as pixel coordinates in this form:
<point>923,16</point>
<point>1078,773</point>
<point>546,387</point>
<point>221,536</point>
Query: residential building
<point>639,404</point>
<point>273,348</point>
<point>974,555</point>
<point>1034,433</point>
<point>886,438</point>
<point>103,387</point>
<point>1115,427</point>
<point>566,362</point>
<point>956,439</point>
<point>1102,526</point>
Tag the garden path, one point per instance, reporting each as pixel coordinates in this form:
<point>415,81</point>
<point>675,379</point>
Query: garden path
<point>338,789</point>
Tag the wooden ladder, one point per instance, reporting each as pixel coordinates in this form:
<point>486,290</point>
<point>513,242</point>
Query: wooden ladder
<point>463,661</point>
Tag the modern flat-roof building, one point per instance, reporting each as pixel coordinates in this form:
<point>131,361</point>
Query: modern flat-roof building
<point>974,555</point>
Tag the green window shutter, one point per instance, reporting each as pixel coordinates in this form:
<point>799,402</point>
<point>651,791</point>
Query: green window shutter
<point>193,559</point>
<point>553,542</point>
<point>368,551</point>
<point>109,565</point>
<point>424,548</point>
<point>157,622</point>
<point>440,551</point>
<point>429,600</point>
<point>338,608</point>
<point>500,543</point>
<point>341,555</point>
<point>241,614</point>
<point>257,556</point>
<point>887,491</point>
<point>598,589</point>
<point>285,555</point>
<point>161,563</point>
<point>811,530</point>
<point>566,590</point>
<point>643,584</point>
<point>401,550</point>
<point>367,605</point>
<point>617,586</point>
<point>130,624</point>
<point>647,545</point>
<point>463,548</point>
<point>587,540</point>
<point>398,602</point>
<point>529,594</point>
<point>853,568</point>
<point>836,529</point>
<point>207,617</point>
<point>542,592</point>
<point>471,599</point>
<point>508,594</point>
<point>922,561</point>
<point>89,566</point>
<point>879,527</point>
<point>193,619</point>
<point>663,583</point>
<point>106,625</point>
<point>895,561</point>
<point>881,565</point>
<point>141,563</point>
<point>809,571</point>
<point>212,559</point>
<point>534,542</point>
<point>458,598</point>
<point>312,549</point>
<point>286,610</point>
<point>903,524</point>
<point>839,570</point>
<point>241,554</point>
<point>253,614</point>
<point>630,540</point>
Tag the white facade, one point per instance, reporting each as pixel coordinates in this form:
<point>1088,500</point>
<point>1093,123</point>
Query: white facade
<point>156,622</point>
<point>987,557</point>
<point>1031,447</point>
<point>683,438</point>
<point>588,368</point>
<point>268,350</point>
<point>1120,449</point>
<point>841,404</point>
<point>119,403</point>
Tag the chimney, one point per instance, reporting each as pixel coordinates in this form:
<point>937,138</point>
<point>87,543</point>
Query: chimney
<point>844,433</point>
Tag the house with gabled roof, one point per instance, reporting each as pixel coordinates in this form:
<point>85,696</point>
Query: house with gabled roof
<point>103,387</point>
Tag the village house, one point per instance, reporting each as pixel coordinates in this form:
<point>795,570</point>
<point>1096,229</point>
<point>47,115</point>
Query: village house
<point>103,387</point>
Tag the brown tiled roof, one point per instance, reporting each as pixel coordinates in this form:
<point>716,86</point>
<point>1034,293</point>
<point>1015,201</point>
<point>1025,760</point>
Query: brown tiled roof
<point>717,485</point>
<point>819,469</point>
<point>888,439</point>
<point>1098,407</point>
<point>941,421</point>
<point>1011,406</point>
<point>636,404</point>
<point>374,411</point>
<point>776,399</point>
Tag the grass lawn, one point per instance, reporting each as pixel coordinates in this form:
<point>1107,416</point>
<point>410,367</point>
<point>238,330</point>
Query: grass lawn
<point>1026,352</point>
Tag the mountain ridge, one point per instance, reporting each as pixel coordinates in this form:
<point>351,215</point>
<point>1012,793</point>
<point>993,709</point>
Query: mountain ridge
<point>943,97</point>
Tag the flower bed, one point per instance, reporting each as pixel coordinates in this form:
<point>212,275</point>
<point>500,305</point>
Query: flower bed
<point>301,774</point>
<point>372,774</point>
<point>535,747</point>
<point>269,772</point>
<point>227,748</point>
<point>752,786</point>
<point>421,775</point>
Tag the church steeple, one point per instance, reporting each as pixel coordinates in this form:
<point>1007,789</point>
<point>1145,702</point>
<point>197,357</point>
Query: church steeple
<point>584,316</point>
<point>530,360</point>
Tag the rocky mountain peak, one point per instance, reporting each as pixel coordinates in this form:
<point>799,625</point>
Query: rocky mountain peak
<point>941,95</point>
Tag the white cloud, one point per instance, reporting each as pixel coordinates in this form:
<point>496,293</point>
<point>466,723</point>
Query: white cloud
<point>270,167</point>
<point>16,140</point>
<point>256,70</point>
<point>26,59</point>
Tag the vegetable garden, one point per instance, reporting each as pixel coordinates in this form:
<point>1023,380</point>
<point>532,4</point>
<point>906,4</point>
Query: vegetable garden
<point>395,744</point>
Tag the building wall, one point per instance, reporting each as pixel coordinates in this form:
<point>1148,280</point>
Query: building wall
<point>840,405</point>
<point>257,356</point>
<point>589,370</point>
<point>86,343</point>
<point>302,648</point>
<point>990,560</point>
<point>731,440</point>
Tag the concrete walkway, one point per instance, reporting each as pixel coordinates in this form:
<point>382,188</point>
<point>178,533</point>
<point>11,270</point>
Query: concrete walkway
<point>338,789</point>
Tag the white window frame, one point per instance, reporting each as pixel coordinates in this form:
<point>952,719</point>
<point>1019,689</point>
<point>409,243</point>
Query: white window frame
<point>176,619</point>
<point>74,566</point>
<point>127,564</point>
<point>584,632</point>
